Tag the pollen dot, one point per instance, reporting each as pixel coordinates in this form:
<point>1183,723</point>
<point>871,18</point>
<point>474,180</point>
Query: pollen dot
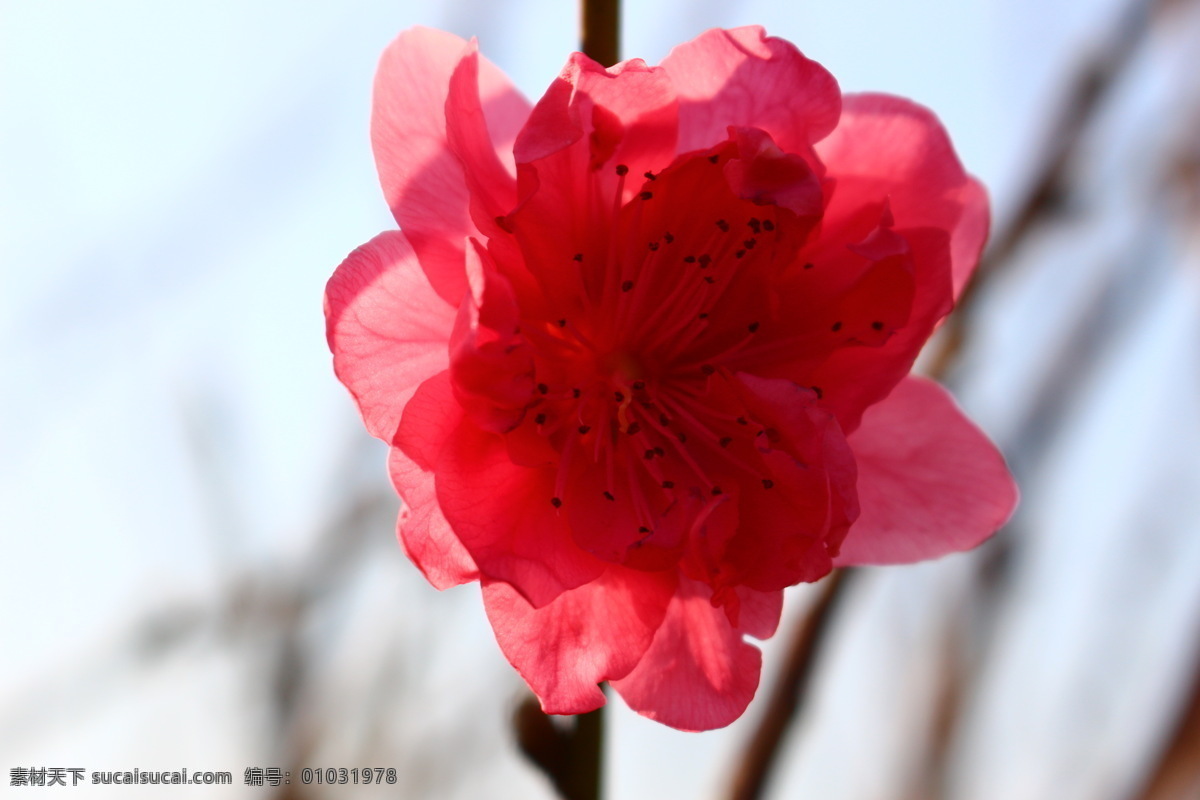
<point>562,323</point>
<point>633,428</point>
<point>726,440</point>
<point>643,529</point>
<point>540,419</point>
<point>622,169</point>
<point>649,175</point>
<point>768,483</point>
<point>668,484</point>
<point>753,327</point>
<point>768,225</point>
<point>646,195</point>
<point>639,385</point>
<point>837,326</point>
<point>619,397</point>
<point>713,158</point>
<point>716,490</point>
<point>708,369</point>
<point>584,429</point>
<point>543,388</point>
<point>626,286</point>
<point>808,265</point>
<point>723,225</point>
<point>877,325</point>
<point>556,502</point>
<point>579,256</point>
<point>609,496</point>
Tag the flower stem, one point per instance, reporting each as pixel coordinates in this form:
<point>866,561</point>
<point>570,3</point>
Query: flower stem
<point>602,31</point>
<point>761,751</point>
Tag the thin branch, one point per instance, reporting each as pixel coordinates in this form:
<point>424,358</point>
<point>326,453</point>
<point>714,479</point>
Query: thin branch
<point>572,757</point>
<point>602,31</point>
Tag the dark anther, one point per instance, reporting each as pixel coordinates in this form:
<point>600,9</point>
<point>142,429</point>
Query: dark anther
<point>658,451</point>
<point>633,428</point>
<point>682,437</point>
<point>646,195</point>
<point>639,385</point>
<point>543,388</point>
<point>768,483</point>
<point>562,323</point>
<point>689,259</point>
<point>662,420</point>
<point>609,495</point>
<point>837,326</point>
<point>556,502</point>
<point>575,393</point>
<point>754,224</point>
<point>584,429</point>
<point>753,326</point>
<point>808,265</point>
<point>626,286</point>
<point>540,419</point>
<point>726,441</point>
<point>723,225</point>
<point>709,279</point>
<point>652,245</point>
<point>742,421</point>
<point>622,169</point>
<point>817,389</point>
<point>643,529</point>
<point>579,256</point>
<point>713,158</point>
<point>668,484</point>
<point>649,175</point>
<point>877,326</point>
<point>750,243</point>
<point>773,435</point>
<point>668,238</point>
<point>716,490</point>
<point>705,260</point>
<point>619,397</point>
<point>739,253</point>
<point>703,315</point>
<point>708,369</point>
<point>649,454</point>
<point>768,225</point>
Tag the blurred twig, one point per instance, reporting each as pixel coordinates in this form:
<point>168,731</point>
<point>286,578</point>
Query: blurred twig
<point>787,695</point>
<point>1044,198</point>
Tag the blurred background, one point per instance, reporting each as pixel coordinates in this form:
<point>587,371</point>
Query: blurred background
<point>199,565</point>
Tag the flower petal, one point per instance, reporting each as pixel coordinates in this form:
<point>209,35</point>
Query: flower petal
<point>387,329</point>
<point>699,673</point>
<point>596,632</point>
<point>503,515</point>
<point>929,481</point>
<point>424,532</point>
<point>422,178</point>
<point>889,148</point>
<point>745,78</point>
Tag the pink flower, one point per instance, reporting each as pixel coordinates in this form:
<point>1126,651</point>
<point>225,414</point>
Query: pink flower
<point>641,352</point>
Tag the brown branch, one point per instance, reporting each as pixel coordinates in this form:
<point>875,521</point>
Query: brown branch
<point>787,695</point>
<point>572,757</point>
<point>1177,774</point>
<point>602,31</point>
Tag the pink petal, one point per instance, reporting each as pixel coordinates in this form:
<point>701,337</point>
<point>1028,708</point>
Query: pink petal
<point>698,674</point>
<point>854,378</point>
<point>890,148</point>
<point>503,514</point>
<point>387,329</point>
<point>427,538</point>
<point>423,180</point>
<point>593,135</point>
<point>492,184</point>
<point>596,632</point>
<point>929,481</point>
<point>743,77</point>
<point>787,533</point>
